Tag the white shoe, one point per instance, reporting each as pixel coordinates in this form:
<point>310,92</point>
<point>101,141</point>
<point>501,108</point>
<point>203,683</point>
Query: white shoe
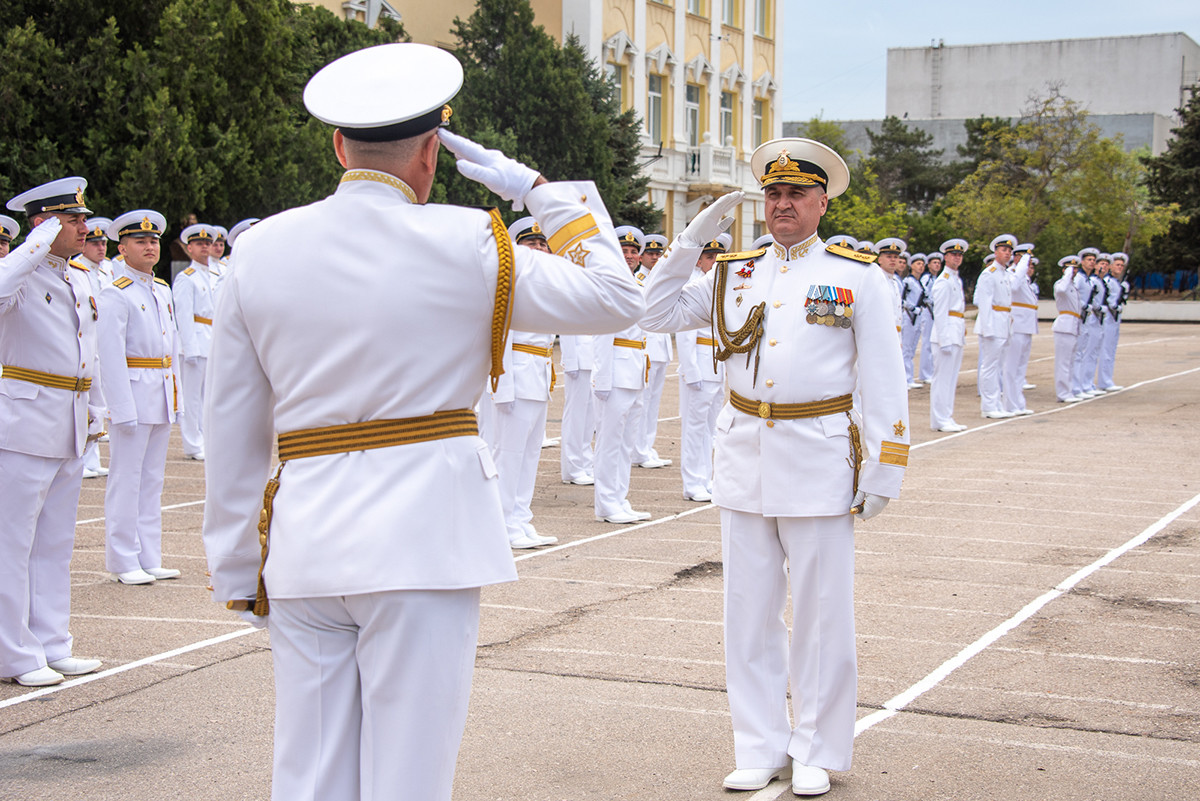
<point>1022,412</point>
<point>163,572</point>
<point>585,481</point>
<point>952,428</point>
<point>699,497</point>
<point>1093,393</point>
<point>1113,388</point>
<point>550,442</point>
<point>70,666</point>
<point>197,457</point>
<point>1075,399</point>
<point>622,517</point>
<point>915,385</point>
<point>88,473</point>
<point>138,576</point>
<point>639,515</point>
<point>997,415</point>
<point>655,463</point>
<point>541,538</point>
<point>808,780</point>
<point>42,677</point>
<point>755,778</point>
<point>1029,386</point>
<point>524,541</point>
<point>103,437</point>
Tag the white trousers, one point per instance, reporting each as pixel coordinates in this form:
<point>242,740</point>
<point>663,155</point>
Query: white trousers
<point>760,555</point>
<point>699,406</point>
<point>133,497</point>
<point>647,426</point>
<point>371,693</point>
<point>1083,374</point>
<point>991,357</point>
<point>910,334</point>
<point>578,426</point>
<point>947,361</point>
<point>615,431</point>
<point>516,448</point>
<point>38,501</point>
<point>191,424</point>
<point>1091,357</point>
<point>91,455</point>
<point>926,321</point>
<point>1108,353</point>
<point>1064,364</point>
<point>1016,364</point>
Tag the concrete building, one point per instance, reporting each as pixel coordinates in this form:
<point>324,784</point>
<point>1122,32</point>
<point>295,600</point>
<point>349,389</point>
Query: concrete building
<point>699,73</point>
<point>1130,85</point>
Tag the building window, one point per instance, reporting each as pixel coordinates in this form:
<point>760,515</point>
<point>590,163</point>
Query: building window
<point>759,121</point>
<point>696,7</point>
<point>727,121</point>
<point>762,17</point>
<point>691,114</point>
<point>616,75</point>
<point>654,108</point>
<point>729,13</point>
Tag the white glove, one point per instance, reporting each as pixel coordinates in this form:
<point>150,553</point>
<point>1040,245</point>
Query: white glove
<point>601,394</point>
<point>44,233</point>
<point>871,505</point>
<point>258,621</point>
<point>508,178</point>
<point>705,226</point>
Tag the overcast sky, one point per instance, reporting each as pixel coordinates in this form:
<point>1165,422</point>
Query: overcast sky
<point>835,53</point>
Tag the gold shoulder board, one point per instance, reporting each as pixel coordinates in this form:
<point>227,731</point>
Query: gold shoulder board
<point>78,265</point>
<point>848,253</point>
<point>160,281</point>
<point>189,271</point>
<point>122,282</point>
<point>741,255</point>
<point>944,274</point>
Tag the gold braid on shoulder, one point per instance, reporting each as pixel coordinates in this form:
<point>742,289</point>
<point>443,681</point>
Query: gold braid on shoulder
<point>743,340</point>
<point>502,312</point>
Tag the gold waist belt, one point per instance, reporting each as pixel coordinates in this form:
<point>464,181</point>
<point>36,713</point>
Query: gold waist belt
<point>629,343</point>
<point>1025,305</point>
<point>161,363</point>
<point>1068,311</point>
<point>536,351</point>
<point>790,411</point>
<point>955,313</point>
<point>712,343</point>
<point>1001,308</point>
<point>202,320</point>
<point>47,379</point>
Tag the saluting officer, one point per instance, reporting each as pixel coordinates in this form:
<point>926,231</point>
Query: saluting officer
<point>49,408</point>
<point>948,333</point>
<point>659,352</point>
<point>385,519</point>
<point>194,306</point>
<point>1066,327</point>
<point>801,325</point>
<point>139,359</point>
<point>1020,339</point>
<point>993,300</point>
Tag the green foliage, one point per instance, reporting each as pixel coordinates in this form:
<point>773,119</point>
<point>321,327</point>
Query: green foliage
<point>909,170</point>
<point>1174,178</point>
<point>547,106</point>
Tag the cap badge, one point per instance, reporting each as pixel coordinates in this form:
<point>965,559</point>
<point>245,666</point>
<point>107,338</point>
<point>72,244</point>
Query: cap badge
<point>79,195</point>
<point>536,229</point>
<point>146,224</point>
<point>783,159</point>
<point>447,112</point>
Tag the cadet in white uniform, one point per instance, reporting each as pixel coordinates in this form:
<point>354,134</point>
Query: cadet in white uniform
<point>139,358</point>
<point>659,352</point>
<point>1115,296</point>
<point>519,400</point>
<point>9,228</point>
<point>95,258</point>
<point>335,331</point>
<point>579,413</point>
<point>912,299</point>
<point>195,304</point>
<point>993,300</point>
<point>1091,292</point>
<point>890,259</point>
<point>49,408</point>
<point>1020,339</point>
<point>948,334</point>
<point>800,324</point>
<point>1066,330</point>
<point>618,382</point>
<point>701,385</point>
<point>933,268</point>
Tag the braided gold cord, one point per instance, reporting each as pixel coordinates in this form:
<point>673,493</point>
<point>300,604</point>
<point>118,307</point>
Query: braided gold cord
<point>502,314</point>
<point>743,340</point>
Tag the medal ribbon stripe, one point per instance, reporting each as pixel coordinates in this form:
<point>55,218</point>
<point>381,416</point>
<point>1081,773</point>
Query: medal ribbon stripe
<point>202,320</point>
<point>46,379</point>
<point>375,434</point>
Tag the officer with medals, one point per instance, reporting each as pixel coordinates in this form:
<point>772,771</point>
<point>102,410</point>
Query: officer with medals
<point>94,257</point>
<point>948,334</point>
<point>659,352</point>
<point>336,331</point>
<point>799,325</point>
<point>519,400</point>
<point>139,360</point>
<point>49,408</point>
<point>701,391</point>
<point>195,302</point>
<point>1115,296</point>
<point>993,300</point>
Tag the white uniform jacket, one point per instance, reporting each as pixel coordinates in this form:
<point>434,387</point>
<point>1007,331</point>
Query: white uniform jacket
<point>993,299</point>
<point>194,298</point>
<point>948,329</point>
<point>912,296</point>
<point>367,306</point>
<point>796,467</point>
<point>658,346</point>
<point>617,365</point>
<point>1066,300</point>
<point>1024,303</point>
<point>576,352</point>
<point>1114,296</point>
<point>47,323</point>
<point>695,358</point>
<point>526,375</point>
<point>137,320</point>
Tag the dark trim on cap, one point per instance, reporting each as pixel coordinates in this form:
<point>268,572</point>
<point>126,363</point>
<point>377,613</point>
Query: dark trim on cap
<point>400,130</point>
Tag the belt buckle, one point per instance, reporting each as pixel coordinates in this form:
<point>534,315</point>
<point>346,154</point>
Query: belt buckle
<point>764,410</point>
<point>79,384</point>
<point>166,361</point>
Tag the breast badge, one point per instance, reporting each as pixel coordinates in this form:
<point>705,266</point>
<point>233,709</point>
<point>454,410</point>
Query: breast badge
<point>829,305</point>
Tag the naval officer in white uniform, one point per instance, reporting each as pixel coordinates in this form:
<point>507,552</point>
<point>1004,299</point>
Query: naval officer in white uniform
<point>1066,328</point>
<point>659,352</point>
<point>948,335</point>
<point>100,270</point>
<point>801,324</point>
<point>139,361</point>
<point>195,303</point>
<point>49,409</point>
<point>338,331</point>
<point>993,299</point>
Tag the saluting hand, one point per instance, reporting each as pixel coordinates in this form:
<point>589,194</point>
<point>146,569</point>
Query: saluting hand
<point>710,222</point>
<point>508,178</point>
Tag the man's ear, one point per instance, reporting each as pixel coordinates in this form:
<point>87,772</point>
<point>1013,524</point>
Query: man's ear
<point>339,146</point>
<point>430,153</point>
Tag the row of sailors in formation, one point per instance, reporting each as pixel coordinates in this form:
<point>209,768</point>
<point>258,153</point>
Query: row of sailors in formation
<point>130,350</point>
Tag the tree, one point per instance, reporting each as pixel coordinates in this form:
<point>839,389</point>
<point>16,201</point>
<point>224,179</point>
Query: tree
<point>908,168</point>
<point>1174,178</point>
<point>548,106</point>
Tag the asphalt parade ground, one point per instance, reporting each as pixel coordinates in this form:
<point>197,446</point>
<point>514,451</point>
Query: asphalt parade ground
<point>1028,621</point>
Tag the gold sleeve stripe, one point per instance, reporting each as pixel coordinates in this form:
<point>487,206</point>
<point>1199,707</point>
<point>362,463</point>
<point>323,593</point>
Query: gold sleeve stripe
<point>893,453</point>
<point>571,233</point>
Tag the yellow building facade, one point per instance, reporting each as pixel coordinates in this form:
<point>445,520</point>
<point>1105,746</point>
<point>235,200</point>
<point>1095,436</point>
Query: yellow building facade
<point>699,73</point>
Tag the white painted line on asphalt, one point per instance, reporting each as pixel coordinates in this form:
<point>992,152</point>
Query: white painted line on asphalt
<point>233,621</point>
<point>1041,695</point>
<point>636,657</point>
<point>897,703</point>
<point>640,561</point>
<point>622,530</point>
<point>165,509</point>
<point>104,674</point>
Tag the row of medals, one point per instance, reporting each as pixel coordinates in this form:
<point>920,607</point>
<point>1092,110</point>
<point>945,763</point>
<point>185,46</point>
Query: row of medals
<point>822,312</point>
